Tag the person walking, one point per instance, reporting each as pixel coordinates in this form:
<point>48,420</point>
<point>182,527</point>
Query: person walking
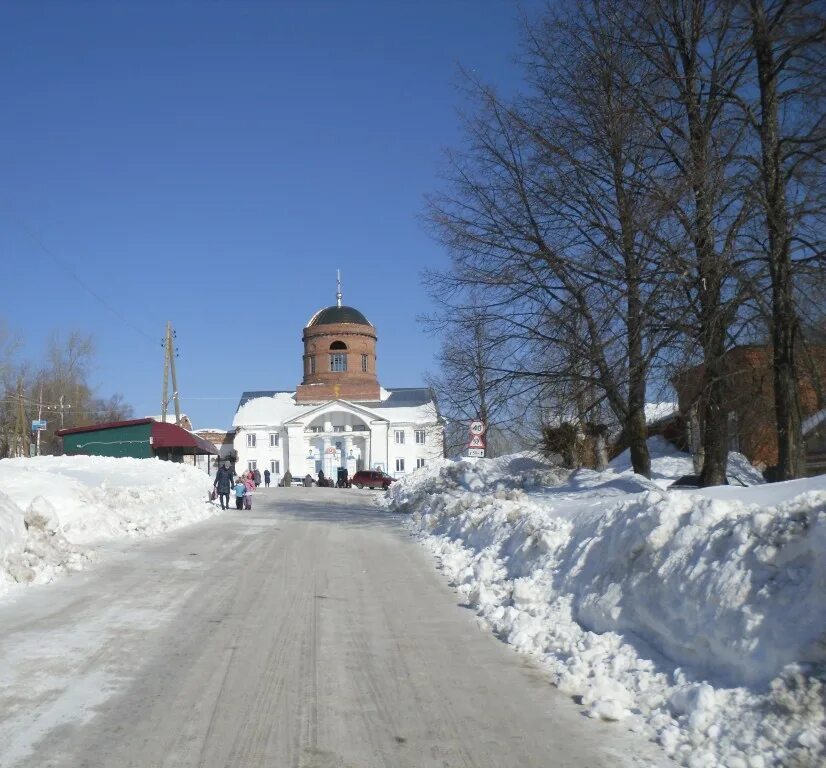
<point>240,491</point>
<point>321,481</point>
<point>250,486</point>
<point>223,484</point>
<point>287,479</point>
<point>266,478</point>
<point>257,477</point>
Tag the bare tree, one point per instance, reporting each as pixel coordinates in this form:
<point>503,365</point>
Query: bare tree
<point>551,219</point>
<point>698,55</point>
<point>786,39</point>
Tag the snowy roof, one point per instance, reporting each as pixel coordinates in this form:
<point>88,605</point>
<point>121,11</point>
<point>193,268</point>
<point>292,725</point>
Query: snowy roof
<point>657,411</point>
<point>407,404</point>
<point>814,421</point>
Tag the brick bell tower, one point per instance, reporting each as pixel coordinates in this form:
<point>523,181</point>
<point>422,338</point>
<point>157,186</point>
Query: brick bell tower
<point>339,356</point>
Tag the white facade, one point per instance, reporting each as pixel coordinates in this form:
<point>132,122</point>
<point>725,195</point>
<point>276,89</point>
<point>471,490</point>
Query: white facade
<point>397,434</point>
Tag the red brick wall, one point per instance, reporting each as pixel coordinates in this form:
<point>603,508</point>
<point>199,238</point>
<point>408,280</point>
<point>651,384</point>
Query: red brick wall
<point>352,384</point>
<point>750,395</point>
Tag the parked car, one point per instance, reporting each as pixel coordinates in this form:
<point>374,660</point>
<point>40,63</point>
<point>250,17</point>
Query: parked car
<point>368,478</point>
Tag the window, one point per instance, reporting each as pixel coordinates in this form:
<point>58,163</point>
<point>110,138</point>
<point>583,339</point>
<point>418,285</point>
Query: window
<point>419,463</point>
<point>338,363</point>
<point>420,435</point>
<point>275,467</point>
<point>359,427</point>
<point>364,363</point>
<point>399,436</point>
<point>251,465</point>
<point>251,440</point>
<point>316,429</point>
<point>312,363</point>
<point>338,345</point>
<point>399,465</point>
<point>273,439</point>
<point>338,429</point>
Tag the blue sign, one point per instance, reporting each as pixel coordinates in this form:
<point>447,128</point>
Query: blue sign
<point>39,425</point>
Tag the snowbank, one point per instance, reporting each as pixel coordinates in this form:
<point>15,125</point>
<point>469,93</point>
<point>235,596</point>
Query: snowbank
<point>668,464</point>
<point>700,617</point>
<point>53,507</point>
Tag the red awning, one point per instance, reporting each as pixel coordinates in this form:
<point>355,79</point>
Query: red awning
<point>173,436</point>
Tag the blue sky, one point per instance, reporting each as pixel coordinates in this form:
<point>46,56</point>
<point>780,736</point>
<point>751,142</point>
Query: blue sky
<point>213,164</point>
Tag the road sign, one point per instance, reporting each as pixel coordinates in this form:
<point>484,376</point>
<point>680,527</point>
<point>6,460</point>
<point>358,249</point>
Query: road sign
<point>476,441</point>
<point>478,453</point>
<point>477,427</point>
<point>38,425</point>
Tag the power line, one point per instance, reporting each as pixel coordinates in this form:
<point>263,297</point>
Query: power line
<point>35,237</point>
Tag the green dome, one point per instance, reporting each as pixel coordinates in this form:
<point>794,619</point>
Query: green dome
<point>332,315</point>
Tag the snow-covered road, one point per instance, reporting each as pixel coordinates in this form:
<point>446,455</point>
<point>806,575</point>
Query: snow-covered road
<point>311,631</point>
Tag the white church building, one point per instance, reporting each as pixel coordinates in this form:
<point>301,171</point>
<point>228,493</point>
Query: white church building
<point>339,416</point>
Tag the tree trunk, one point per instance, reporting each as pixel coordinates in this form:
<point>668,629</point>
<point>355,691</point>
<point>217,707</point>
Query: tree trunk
<point>791,456</point>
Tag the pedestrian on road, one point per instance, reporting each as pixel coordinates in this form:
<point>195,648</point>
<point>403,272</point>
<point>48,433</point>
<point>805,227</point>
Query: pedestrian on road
<point>257,477</point>
<point>321,482</point>
<point>223,484</point>
<point>240,490</point>
<point>249,485</point>
<point>287,480</point>
<point>266,478</point>
<point>308,481</point>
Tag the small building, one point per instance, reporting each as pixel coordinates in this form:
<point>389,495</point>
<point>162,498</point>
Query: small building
<point>223,440</point>
<point>170,419</point>
<point>814,438</point>
<point>749,398</point>
<point>136,438</point>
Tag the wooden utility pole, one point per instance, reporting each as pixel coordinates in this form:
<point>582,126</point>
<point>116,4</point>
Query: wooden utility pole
<point>21,441</point>
<point>169,366</point>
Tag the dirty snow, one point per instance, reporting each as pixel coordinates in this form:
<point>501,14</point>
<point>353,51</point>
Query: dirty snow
<point>54,509</point>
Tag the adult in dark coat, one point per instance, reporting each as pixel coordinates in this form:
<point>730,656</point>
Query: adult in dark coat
<point>266,478</point>
<point>256,476</point>
<point>321,481</point>
<point>223,484</point>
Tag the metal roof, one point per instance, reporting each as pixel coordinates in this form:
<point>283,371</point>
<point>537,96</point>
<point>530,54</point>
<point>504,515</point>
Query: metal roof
<point>335,314</point>
<point>404,397</point>
<point>163,435</point>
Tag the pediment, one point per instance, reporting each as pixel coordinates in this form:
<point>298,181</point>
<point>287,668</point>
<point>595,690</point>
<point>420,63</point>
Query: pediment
<point>336,406</point>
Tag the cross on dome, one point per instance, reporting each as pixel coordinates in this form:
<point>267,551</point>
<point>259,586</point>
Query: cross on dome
<point>338,287</point>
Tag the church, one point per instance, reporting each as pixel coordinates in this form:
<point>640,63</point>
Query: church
<point>339,415</point>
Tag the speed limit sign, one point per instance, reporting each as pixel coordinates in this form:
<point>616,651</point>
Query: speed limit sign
<point>477,427</point>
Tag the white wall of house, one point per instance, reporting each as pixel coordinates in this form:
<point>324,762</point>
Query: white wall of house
<point>338,438</point>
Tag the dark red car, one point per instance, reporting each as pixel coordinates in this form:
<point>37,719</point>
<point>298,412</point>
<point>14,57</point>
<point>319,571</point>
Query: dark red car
<point>368,478</point>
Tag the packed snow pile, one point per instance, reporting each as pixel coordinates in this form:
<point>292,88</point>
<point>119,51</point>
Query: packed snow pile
<point>52,508</point>
<point>668,464</point>
<point>698,617</point>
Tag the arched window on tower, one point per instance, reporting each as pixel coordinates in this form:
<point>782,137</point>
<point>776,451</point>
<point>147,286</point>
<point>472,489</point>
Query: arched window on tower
<point>338,358</point>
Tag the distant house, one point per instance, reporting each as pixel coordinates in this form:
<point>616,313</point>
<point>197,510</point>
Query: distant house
<point>222,439</point>
<point>814,436</point>
<point>170,419</point>
<point>749,400</point>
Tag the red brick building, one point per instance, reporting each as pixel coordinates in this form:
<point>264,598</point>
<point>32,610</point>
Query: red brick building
<point>749,396</point>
